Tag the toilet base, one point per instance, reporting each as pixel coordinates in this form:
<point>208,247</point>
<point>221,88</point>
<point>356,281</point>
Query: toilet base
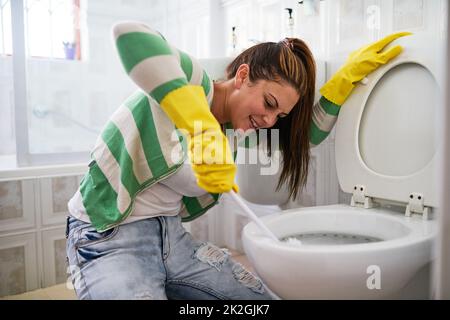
<point>396,267</point>
<point>418,288</point>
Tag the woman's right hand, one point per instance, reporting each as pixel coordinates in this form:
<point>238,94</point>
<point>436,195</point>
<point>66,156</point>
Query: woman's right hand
<point>209,151</point>
<point>212,161</point>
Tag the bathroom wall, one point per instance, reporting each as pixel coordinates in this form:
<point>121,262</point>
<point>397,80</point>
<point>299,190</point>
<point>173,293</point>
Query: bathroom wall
<point>332,29</point>
<point>32,241</point>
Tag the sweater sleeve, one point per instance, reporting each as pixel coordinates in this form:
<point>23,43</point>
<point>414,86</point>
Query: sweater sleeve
<point>324,118</point>
<point>153,64</point>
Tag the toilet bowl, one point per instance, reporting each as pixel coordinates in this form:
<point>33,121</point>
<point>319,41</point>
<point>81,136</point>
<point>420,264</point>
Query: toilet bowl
<point>344,249</point>
<point>379,246</point>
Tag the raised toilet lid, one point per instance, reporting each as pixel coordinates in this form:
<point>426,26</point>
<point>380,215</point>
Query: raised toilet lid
<point>386,140</point>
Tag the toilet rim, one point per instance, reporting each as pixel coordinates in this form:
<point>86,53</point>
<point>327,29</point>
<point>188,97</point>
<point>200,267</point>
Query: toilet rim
<point>420,231</point>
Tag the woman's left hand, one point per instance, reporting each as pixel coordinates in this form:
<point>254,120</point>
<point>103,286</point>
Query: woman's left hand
<point>359,64</point>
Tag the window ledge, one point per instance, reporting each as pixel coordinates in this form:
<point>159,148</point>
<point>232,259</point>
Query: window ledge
<point>54,60</point>
<point>12,172</point>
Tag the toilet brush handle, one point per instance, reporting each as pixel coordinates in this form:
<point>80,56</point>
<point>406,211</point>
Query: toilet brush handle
<point>253,216</point>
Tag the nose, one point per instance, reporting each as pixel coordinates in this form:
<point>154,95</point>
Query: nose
<point>270,119</point>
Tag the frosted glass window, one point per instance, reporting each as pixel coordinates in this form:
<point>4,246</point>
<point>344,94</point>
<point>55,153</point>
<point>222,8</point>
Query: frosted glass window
<point>7,134</point>
<point>68,99</point>
<point>5,28</point>
<point>52,28</point>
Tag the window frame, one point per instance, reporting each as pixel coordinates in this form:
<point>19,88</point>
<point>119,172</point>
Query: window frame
<point>19,59</point>
<point>51,17</point>
<point>3,51</point>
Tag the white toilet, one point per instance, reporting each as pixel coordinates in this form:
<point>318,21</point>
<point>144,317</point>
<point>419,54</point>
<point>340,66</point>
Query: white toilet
<point>379,246</point>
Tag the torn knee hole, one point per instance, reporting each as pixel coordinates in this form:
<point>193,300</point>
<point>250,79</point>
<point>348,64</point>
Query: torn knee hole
<point>146,295</point>
<point>247,278</point>
<point>211,255</point>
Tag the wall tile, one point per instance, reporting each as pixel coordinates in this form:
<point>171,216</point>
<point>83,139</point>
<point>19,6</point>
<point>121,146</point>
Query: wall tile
<point>408,14</point>
<point>63,189</point>
<point>12,271</point>
<point>17,205</point>
<point>60,261</point>
<point>351,18</point>
<point>10,200</point>
<point>308,196</point>
<point>344,197</point>
<point>54,256</point>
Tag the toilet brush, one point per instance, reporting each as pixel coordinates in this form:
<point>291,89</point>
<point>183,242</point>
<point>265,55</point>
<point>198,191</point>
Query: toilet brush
<point>262,226</point>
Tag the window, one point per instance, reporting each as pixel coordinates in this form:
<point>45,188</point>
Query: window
<point>7,135</point>
<point>53,110</point>
<point>5,28</point>
<point>53,28</point>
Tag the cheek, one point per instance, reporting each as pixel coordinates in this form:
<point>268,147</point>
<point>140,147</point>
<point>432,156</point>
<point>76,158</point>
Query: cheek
<point>242,108</point>
<point>245,105</point>
<point>252,107</point>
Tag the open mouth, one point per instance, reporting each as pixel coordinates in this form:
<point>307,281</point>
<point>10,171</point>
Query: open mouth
<point>253,123</point>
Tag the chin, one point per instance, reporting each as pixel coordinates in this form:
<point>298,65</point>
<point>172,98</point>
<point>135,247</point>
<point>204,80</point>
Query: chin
<point>244,128</point>
<point>242,125</point>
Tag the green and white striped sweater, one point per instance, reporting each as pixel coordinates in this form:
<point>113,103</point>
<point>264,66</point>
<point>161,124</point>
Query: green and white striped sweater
<point>139,146</point>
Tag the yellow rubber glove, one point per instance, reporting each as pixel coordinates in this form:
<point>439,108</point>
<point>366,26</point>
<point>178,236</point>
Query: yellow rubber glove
<point>209,150</point>
<point>359,64</point>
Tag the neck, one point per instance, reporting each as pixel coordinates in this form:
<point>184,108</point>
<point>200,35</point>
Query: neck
<point>219,107</point>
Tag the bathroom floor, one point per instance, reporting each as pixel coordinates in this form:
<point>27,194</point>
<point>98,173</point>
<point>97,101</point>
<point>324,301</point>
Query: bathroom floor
<point>61,292</point>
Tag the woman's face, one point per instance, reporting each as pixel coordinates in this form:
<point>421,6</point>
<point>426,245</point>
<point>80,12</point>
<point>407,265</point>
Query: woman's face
<point>259,105</point>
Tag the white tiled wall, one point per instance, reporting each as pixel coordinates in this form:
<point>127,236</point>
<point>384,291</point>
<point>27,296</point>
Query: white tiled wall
<point>32,232</point>
<point>18,263</point>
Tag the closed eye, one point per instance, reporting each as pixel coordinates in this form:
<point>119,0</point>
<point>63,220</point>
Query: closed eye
<point>268,104</point>
<point>271,106</point>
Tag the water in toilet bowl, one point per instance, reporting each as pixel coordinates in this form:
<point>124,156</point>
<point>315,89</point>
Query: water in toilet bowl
<point>291,241</point>
<point>329,238</point>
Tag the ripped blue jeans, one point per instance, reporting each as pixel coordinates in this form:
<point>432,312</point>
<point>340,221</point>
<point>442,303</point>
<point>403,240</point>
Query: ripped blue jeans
<point>153,258</point>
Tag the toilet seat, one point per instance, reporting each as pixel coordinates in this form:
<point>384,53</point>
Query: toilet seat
<point>385,146</point>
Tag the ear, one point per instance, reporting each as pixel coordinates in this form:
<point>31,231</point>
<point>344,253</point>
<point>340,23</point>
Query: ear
<point>241,75</point>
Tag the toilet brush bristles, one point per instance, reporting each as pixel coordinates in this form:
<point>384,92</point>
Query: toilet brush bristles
<point>291,241</point>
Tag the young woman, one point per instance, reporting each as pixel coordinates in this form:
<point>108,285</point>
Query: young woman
<point>125,237</point>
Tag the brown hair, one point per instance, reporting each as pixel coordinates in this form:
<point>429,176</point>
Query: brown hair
<point>289,60</point>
